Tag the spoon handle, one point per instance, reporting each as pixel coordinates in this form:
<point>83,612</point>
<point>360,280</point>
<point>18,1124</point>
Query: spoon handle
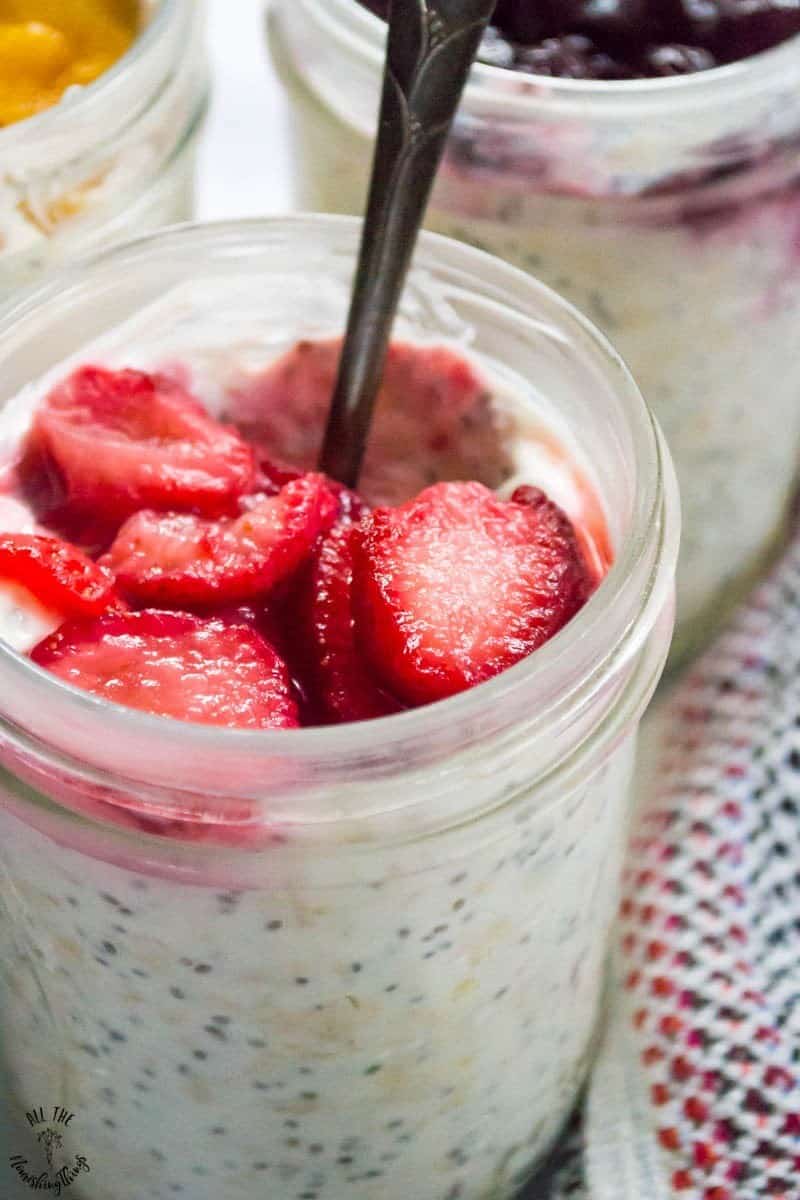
<point>431,47</point>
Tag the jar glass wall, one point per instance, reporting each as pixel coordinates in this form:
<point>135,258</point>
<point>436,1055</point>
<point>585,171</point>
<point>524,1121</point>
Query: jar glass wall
<point>329,960</point>
<point>112,159</point>
<point>668,210</point>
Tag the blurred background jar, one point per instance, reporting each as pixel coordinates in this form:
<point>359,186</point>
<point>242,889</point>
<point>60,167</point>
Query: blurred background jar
<point>107,158</point>
<point>668,209</point>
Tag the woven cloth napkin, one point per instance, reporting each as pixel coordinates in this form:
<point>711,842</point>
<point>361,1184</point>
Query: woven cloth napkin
<point>696,1091</point>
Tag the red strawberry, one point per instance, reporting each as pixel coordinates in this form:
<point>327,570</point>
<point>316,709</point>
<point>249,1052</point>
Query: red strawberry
<point>59,575</point>
<point>344,684</point>
<point>271,475</point>
<point>434,417</point>
<point>551,515</point>
<point>125,440</point>
<point>174,665</point>
<point>276,621</point>
<point>173,559</point>
<point>40,484</point>
<point>454,587</point>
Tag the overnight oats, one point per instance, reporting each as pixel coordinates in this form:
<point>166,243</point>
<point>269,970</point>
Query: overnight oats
<point>101,102</point>
<point>656,186</point>
<point>315,801</point>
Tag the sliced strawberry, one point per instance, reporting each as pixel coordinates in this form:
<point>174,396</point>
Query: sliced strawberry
<point>41,484</point>
<point>271,475</point>
<point>434,417</point>
<point>59,575</point>
<point>341,678</point>
<point>352,506</point>
<point>456,586</point>
<point>176,559</point>
<point>125,440</point>
<point>174,665</point>
<point>549,513</point>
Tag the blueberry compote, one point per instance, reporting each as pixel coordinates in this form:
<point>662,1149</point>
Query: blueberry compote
<point>630,39</point>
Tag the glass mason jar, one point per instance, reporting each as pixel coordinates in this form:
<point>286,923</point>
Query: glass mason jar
<point>668,210</point>
<point>111,160</point>
<point>341,960</point>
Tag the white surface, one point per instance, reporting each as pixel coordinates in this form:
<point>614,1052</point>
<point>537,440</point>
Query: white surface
<point>244,161</point>
<point>243,173</point>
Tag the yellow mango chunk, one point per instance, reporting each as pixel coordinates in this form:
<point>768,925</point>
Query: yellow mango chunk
<point>47,46</point>
<point>32,57</point>
<point>32,50</point>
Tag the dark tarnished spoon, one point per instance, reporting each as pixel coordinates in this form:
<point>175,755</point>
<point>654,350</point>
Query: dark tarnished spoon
<point>431,47</point>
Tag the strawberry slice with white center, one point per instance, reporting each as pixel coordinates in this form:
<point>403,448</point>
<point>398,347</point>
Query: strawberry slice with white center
<point>181,560</point>
<point>175,665</point>
<point>125,440</point>
<point>44,581</point>
<point>455,586</point>
<point>23,620</point>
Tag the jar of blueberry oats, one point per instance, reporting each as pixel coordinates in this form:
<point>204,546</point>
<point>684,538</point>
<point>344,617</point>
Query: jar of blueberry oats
<point>349,959</point>
<point>666,206</point>
<point>98,125</point>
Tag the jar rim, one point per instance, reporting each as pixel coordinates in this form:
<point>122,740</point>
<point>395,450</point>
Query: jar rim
<point>100,96</point>
<point>349,23</point>
<point>651,539</point>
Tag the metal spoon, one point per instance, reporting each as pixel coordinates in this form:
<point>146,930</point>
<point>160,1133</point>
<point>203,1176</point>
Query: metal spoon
<point>431,47</point>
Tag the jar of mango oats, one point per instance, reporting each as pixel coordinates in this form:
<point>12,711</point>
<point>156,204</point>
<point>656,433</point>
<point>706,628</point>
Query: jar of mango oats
<point>101,103</point>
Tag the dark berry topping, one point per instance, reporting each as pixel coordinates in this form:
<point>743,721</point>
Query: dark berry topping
<point>571,57</point>
<point>675,59</point>
<point>626,39</point>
